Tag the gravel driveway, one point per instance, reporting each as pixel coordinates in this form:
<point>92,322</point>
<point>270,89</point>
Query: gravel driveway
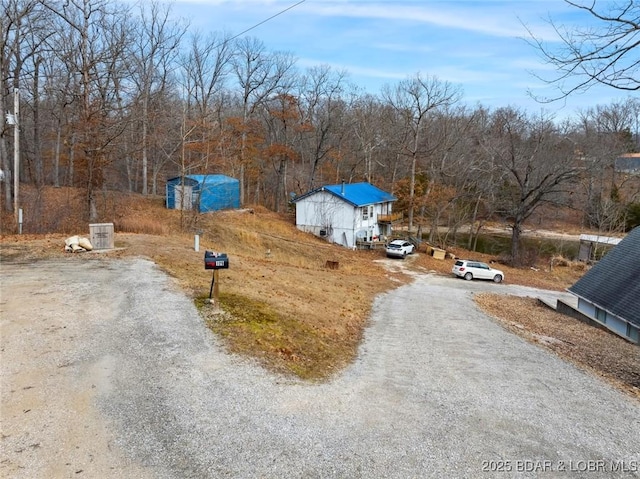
<point>108,371</point>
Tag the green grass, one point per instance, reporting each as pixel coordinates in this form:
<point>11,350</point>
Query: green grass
<point>281,343</point>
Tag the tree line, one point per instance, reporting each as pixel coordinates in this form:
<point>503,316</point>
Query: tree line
<point>121,97</point>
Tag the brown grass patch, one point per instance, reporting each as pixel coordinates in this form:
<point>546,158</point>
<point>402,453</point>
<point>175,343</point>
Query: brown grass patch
<point>556,278</point>
<point>597,351</point>
<point>283,306</point>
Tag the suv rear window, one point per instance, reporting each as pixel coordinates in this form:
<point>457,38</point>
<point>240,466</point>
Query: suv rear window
<point>459,263</point>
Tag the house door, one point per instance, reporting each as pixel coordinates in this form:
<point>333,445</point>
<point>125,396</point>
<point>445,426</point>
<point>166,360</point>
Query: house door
<point>183,197</point>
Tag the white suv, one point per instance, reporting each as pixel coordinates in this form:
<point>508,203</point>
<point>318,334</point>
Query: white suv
<point>400,248</point>
<point>470,269</point>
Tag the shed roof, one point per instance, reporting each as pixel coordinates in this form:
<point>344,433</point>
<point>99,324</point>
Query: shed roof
<point>357,194</point>
<point>208,179</point>
<point>612,284</point>
<point>600,239</point>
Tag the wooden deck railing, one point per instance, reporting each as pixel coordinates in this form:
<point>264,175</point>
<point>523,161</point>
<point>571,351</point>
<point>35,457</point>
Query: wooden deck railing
<point>389,218</point>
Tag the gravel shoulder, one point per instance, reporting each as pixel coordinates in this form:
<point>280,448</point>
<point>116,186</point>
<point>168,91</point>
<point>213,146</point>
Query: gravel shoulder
<point>108,371</point>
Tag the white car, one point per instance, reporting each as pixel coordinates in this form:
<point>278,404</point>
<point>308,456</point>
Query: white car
<point>399,248</point>
<point>470,269</point>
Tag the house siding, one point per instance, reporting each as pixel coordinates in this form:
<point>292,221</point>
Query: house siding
<point>587,308</point>
<point>324,211</point>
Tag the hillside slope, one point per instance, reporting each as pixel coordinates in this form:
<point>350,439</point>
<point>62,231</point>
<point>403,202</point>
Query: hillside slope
<point>280,304</point>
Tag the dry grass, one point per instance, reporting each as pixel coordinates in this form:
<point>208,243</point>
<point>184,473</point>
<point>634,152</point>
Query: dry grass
<point>556,278</point>
<point>283,306</point>
<point>597,351</point>
<point>279,303</point>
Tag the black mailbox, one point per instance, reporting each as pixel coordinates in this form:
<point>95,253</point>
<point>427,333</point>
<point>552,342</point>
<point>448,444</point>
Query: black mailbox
<point>213,260</point>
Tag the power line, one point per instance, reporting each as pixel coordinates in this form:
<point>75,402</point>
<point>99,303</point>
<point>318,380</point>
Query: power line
<point>266,20</point>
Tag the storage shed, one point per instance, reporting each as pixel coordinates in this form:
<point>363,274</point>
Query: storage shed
<point>590,244</point>
<point>203,192</point>
<point>608,293</point>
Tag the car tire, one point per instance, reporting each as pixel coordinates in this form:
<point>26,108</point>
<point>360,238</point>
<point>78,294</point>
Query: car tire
<point>404,255</point>
<point>468,276</point>
<point>497,278</point>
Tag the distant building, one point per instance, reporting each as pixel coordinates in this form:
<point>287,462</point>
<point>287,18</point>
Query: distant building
<point>609,293</point>
<point>346,213</point>
<point>203,192</point>
<point>589,244</point>
<point>628,163</point>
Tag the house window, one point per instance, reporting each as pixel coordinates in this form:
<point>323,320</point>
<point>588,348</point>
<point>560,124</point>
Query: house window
<point>365,212</point>
<point>632,333</point>
<point>601,315</point>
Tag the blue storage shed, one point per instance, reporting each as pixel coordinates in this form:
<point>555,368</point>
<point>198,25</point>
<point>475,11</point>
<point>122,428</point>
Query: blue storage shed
<point>204,192</point>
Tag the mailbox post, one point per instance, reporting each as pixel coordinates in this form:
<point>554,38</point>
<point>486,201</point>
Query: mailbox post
<point>216,262</point>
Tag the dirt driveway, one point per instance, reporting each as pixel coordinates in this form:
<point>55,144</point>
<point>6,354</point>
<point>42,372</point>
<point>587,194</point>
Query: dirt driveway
<point>108,371</point>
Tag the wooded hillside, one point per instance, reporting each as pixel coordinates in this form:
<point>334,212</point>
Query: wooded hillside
<point>117,97</point>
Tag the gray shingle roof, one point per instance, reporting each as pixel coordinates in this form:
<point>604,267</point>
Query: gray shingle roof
<point>613,284</point>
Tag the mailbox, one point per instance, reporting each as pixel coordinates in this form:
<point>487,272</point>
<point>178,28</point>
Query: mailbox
<point>213,260</point>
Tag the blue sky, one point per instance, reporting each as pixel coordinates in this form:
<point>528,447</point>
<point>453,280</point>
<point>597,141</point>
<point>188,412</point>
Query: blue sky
<point>478,45</point>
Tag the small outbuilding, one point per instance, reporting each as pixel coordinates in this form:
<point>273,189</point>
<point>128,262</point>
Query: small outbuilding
<point>628,164</point>
<point>592,244</point>
<point>203,192</point>
<point>609,293</point>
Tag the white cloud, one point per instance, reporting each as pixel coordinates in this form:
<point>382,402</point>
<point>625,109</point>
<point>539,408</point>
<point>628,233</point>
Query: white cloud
<point>497,19</point>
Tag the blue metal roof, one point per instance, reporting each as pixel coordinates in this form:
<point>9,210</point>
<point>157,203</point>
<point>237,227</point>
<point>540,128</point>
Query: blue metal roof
<point>209,192</point>
<point>358,194</point>
<point>209,179</point>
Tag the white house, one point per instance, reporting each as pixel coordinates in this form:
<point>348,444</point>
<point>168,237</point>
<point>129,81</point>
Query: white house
<point>346,213</point>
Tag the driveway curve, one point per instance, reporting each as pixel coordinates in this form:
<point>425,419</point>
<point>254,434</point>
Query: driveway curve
<point>108,371</point>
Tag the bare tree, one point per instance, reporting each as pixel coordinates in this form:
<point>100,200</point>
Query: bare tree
<point>604,133</point>
<point>19,24</point>
<point>205,69</point>
<point>259,74</point>
<point>606,53</point>
<point>322,104</point>
<point>100,38</point>
<point>370,127</point>
<point>415,99</point>
<point>154,48</point>
<point>539,167</point>
<point>283,125</point>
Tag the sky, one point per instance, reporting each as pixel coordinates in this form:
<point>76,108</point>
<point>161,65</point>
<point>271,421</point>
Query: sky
<point>480,46</point>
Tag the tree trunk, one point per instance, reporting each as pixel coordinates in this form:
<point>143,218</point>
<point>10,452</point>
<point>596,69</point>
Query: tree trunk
<point>37,153</point>
<point>56,158</point>
<point>145,121</point>
<point>72,159</point>
<point>516,231</point>
<point>412,188</point>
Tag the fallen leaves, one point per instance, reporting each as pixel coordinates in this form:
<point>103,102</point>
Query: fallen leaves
<point>600,352</point>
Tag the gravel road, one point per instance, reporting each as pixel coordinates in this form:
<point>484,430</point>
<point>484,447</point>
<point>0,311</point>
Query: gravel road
<point>108,371</point>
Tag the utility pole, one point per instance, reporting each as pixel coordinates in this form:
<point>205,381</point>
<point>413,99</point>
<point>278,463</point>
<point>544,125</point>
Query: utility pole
<point>13,120</point>
<point>16,151</point>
